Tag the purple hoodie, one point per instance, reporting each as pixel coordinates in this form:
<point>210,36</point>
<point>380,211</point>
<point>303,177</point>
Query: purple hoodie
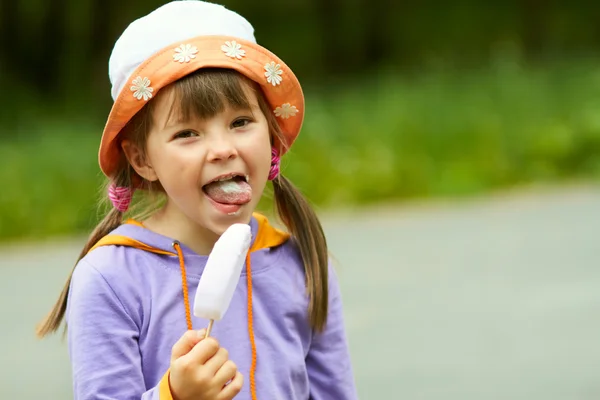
<point>126,310</point>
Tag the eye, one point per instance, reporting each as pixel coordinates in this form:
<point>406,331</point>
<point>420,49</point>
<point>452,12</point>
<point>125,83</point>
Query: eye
<point>185,134</point>
<point>241,122</point>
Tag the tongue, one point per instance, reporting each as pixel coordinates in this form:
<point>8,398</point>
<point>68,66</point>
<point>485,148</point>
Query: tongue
<point>232,191</point>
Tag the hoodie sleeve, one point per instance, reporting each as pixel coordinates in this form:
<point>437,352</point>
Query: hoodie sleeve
<point>103,343</point>
<point>328,361</point>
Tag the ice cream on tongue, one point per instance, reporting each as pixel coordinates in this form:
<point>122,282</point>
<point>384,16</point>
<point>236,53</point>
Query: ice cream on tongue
<point>231,191</point>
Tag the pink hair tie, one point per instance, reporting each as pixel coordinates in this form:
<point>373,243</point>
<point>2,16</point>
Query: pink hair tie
<point>120,197</point>
<point>275,160</point>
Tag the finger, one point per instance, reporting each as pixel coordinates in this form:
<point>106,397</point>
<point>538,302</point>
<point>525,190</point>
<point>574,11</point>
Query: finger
<point>226,373</point>
<point>204,350</point>
<point>186,342</point>
<point>216,362</point>
<point>233,388</point>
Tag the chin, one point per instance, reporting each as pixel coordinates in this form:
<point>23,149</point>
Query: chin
<point>220,222</point>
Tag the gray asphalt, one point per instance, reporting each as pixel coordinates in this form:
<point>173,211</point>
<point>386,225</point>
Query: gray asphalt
<point>483,299</point>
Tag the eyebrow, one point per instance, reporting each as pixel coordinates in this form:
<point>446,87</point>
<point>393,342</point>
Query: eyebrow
<point>173,122</point>
<point>250,107</point>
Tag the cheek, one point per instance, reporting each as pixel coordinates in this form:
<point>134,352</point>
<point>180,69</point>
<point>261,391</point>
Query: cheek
<point>177,170</point>
<point>260,152</point>
<point>256,150</point>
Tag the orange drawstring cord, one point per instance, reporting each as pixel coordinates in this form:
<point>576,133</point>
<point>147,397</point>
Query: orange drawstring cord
<point>188,317</point>
<point>184,286</point>
<point>251,328</point>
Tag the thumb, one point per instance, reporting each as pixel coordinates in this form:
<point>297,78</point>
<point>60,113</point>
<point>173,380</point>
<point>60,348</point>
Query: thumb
<point>186,343</point>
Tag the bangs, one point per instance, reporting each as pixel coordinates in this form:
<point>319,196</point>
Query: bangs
<point>208,92</point>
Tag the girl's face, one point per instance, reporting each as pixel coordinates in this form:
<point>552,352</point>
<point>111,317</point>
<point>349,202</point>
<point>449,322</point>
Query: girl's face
<point>185,156</point>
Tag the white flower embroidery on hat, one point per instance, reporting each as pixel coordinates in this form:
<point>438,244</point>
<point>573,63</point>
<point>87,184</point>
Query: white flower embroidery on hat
<point>233,49</point>
<point>285,111</point>
<point>273,73</point>
<point>141,88</point>
<point>185,52</point>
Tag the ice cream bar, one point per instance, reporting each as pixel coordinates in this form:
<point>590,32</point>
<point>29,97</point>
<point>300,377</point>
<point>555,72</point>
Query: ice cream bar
<point>222,273</point>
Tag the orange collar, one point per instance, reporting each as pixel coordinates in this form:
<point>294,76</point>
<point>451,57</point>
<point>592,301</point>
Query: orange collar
<point>267,236</point>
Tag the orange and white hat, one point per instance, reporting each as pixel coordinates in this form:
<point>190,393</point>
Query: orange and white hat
<point>179,38</point>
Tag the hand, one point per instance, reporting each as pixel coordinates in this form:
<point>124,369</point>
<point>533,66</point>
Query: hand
<point>201,369</point>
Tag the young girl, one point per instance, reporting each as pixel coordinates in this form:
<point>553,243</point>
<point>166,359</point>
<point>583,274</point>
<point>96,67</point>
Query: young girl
<point>201,116</point>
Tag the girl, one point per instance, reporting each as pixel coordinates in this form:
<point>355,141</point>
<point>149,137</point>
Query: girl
<point>201,117</point>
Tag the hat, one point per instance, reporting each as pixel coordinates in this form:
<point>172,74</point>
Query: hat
<point>179,38</point>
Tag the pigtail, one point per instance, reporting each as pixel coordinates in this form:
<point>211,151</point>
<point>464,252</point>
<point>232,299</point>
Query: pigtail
<point>111,221</point>
<point>303,224</point>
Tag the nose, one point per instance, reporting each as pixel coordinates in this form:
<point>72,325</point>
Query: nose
<point>221,148</point>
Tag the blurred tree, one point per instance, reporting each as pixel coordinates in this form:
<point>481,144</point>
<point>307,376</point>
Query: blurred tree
<point>50,46</point>
<point>9,22</point>
<point>533,19</point>
<point>44,70</point>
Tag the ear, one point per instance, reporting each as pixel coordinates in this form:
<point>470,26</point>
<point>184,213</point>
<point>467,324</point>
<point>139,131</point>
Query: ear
<point>138,161</point>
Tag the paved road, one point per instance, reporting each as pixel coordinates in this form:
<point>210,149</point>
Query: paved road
<point>490,299</point>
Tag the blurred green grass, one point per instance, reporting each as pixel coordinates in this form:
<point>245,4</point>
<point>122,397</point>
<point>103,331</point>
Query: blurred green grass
<point>434,133</point>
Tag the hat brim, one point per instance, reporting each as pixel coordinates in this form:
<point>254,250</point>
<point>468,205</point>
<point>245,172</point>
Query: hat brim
<point>279,84</point>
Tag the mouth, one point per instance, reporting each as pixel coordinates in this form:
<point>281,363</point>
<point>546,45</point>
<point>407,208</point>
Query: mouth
<point>229,192</point>
<point>237,176</point>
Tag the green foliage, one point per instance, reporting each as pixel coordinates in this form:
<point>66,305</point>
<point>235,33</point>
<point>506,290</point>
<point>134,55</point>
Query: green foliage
<point>437,133</point>
<point>51,181</point>
<point>444,133</point>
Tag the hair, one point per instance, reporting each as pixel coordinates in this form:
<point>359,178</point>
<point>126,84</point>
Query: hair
<point>205,93</point>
